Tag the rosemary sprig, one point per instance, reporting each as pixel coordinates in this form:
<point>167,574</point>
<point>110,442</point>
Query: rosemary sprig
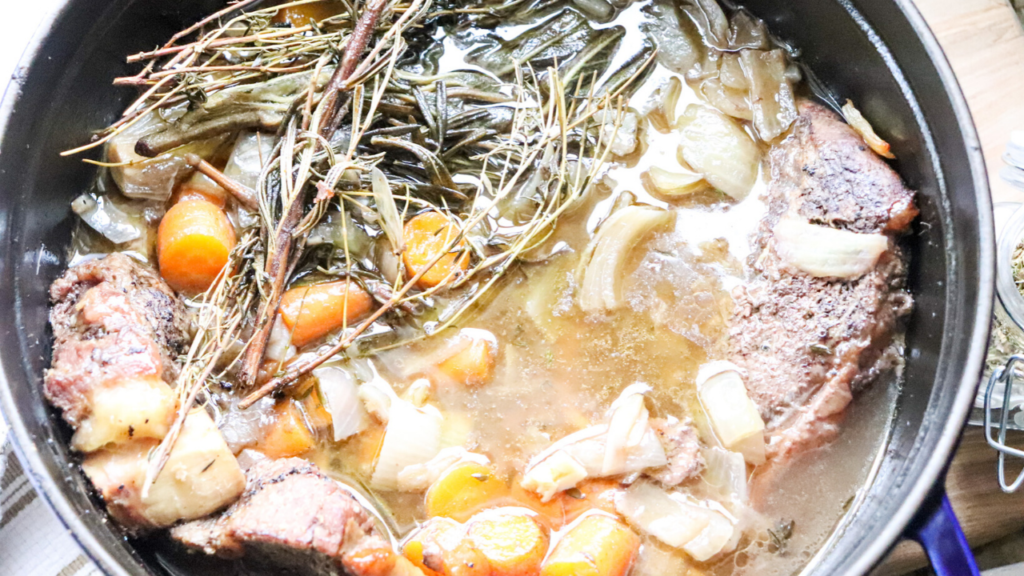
<point>551,147</point>
<point>345,99</point>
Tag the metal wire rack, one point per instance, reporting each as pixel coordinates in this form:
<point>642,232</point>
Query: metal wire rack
<point>1004,375</point>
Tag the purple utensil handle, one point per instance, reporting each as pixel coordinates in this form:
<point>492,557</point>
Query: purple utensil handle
<point>939,533</point>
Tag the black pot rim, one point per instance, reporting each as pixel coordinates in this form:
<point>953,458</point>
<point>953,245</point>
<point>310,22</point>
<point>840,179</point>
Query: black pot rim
<point>937,460</point>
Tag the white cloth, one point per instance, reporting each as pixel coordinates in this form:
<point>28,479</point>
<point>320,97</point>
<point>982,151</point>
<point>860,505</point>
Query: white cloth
<point>33,542</point>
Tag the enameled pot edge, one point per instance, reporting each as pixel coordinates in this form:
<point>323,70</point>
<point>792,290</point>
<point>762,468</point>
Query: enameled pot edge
<point>936,462</point>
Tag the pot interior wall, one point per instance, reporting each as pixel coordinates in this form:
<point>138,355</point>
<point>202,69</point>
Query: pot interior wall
<point>66,92</point>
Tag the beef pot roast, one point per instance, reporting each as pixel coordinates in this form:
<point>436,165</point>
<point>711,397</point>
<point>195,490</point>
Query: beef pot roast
<point>808,343</point>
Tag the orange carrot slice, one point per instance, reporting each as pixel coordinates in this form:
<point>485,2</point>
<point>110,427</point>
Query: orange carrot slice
<point>426,236</point>
<point>194,241</point>
<point>311,312</point>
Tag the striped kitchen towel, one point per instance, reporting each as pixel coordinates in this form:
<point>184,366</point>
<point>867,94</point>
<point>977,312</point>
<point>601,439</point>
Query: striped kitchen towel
<point>33,542</point>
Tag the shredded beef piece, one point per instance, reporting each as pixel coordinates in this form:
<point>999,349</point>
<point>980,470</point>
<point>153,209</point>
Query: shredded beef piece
<point>682,447</point>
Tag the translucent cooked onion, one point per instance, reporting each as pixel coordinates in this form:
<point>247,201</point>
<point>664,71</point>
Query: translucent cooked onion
<point>710,20</point>
<point>152,178</point>
<point>279,345</point>
<point>657,561</point>
<point>244,428</point>
<point>649,453</point>
<point>661,109</point>
<point>651,510</point>
<point>771,96</point>
<point>745,31</point>
<point>621,139</point>
<point>557,473</point>
<point>376,401</point>
<point>729,100</point>
<point>718,536</point>
<point>104,217</point>
<point>413,436</point>
<point>826,252</point>
<point>726,473</point>
<point>733,416</point>
<point>419,477</point>
<point>677,50</point>
<point>626,429</point>
<point>717,147</point>
<point>601,286</point>
<point>250,154</point>
<point>730,72</point>
<point>627,444</point>
<point>341,396</point>
<point>860,125</point>
<point>597,8</point>
<point>701,529</point>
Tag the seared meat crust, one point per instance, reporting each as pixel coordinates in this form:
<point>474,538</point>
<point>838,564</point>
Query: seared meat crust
<point>826,172</point>
<point>808,344</point>
<point>112,318</point>
<point>292,514</point>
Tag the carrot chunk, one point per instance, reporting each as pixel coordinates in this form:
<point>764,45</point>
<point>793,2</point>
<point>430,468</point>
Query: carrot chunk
<point>193,243</point>
<point>311,312</point>
<point>288,436</point>
<point>473,362</point>
<point>589,495</point>
<point>426,236</point>
<point>300,15</point>
<point>371,558</point>
<point>514,544</point>
<point>442,548</point>
<point>597,546</point>
<point>464,490</point>
<point>550,514</point>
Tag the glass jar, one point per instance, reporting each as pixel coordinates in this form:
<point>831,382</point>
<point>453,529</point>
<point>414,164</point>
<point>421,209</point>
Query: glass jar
<point>1007,337</point>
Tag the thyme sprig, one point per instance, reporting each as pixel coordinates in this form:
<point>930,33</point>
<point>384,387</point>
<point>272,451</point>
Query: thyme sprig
<point>345,99</point>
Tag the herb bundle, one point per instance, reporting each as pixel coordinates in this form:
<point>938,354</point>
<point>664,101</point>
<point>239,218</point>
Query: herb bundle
<point>370,130</point>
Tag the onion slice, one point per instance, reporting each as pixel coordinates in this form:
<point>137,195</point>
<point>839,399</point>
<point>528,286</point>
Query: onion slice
<point>674,519</point>
<point>734,417</point>
<point>672,183</point>
<point>826,252</point>
<point>105,217</point>
<point>341,394</point>
<point>771,97</point>
<point>419,477</point>
<point>413,436</point>
<point>627,444</point>
<point>861,126</point>
<point>601,287</point>
<point>650,509</point>
<point>558,472</point>
<point>716,146</point>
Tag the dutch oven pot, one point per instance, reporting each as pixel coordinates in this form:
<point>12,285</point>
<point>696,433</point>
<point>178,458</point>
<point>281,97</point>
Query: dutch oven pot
<point>877,52</point>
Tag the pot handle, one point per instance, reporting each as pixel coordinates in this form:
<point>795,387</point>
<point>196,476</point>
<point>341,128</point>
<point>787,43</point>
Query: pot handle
<point>938,532</point>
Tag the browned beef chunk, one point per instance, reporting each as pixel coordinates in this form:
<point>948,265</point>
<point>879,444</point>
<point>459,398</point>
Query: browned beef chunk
<point>112,318</point>
<point>808,343</point>
<point>118,331</point>
<point>291,514</point>
<point>682,447</point>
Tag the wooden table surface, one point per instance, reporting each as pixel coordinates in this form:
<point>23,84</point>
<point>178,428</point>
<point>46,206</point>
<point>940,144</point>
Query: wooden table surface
<point>985,46</point>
